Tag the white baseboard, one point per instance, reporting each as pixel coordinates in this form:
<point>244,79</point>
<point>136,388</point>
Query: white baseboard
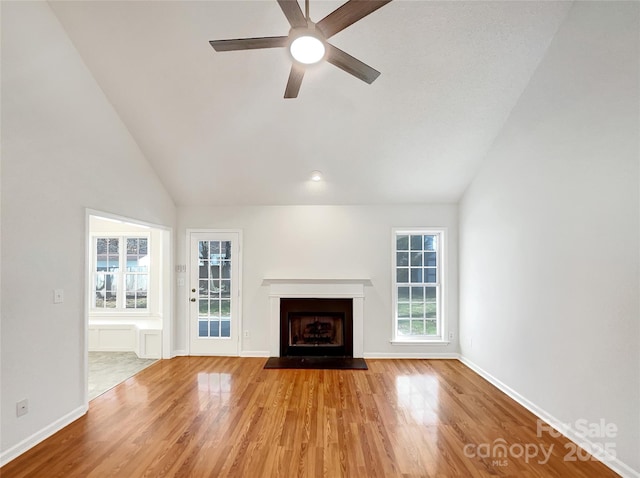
<point>607,459</point>
<point>179,353</point>
<point>29,442</point>
<point>255,353</point>
<point>421,355</point>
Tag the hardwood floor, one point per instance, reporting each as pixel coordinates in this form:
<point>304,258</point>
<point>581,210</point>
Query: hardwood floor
<point>228,417</point>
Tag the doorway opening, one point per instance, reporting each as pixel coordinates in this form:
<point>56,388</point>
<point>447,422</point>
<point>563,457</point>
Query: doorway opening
<point>128,299</point>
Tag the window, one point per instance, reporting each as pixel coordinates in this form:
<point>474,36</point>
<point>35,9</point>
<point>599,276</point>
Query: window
<point>418,287</point>
<point>121,264</point>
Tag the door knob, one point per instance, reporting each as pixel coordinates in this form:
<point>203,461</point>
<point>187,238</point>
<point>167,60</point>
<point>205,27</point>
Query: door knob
<point>193,290</point>
<point>193,299</point>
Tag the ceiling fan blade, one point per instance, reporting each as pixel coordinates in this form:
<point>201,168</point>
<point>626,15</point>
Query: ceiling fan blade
<point>249,43</point>
<point>348,14</point>
<point>351,65</point>
<point>293,12</point>
<point>295,80</point>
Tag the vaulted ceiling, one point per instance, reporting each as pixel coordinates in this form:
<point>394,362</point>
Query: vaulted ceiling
<point>217,130</point>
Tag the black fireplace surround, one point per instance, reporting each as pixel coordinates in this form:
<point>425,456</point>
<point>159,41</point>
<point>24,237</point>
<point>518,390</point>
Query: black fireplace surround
<point>316,327</point>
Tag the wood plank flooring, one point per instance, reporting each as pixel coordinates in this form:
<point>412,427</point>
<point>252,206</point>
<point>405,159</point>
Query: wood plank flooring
<point>228,417</point>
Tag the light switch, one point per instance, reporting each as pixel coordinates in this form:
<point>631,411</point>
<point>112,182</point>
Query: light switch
<point>58,296</point>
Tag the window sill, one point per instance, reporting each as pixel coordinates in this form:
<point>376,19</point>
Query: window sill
<point>114,312</point>
<point>420,342</point>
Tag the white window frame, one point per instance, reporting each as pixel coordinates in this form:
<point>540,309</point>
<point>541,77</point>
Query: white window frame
<point>120,308</point>
<point>441,282</point>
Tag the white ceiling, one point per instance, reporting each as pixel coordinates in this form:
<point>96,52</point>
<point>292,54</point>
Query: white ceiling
<point>217,130</point>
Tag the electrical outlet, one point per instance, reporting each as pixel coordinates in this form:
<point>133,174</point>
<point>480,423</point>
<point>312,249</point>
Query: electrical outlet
<point>246,334</point>
<point>22,407</point>
<point>450,335</point>
<point>58,296</point>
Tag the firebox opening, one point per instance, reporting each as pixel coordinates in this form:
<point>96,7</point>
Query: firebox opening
<point>316,327</point>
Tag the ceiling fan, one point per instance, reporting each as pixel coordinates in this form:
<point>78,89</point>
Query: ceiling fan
<point>307,41</point>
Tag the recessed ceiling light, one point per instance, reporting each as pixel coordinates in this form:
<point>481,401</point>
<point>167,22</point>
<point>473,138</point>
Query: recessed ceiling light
<point>316,176</point>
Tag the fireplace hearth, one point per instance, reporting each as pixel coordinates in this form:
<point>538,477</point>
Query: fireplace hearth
<point>316,327</point>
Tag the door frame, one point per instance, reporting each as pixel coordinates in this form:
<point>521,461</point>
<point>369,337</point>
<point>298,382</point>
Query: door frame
<point>188,286</point>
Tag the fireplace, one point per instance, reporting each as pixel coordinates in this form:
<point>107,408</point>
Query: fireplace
<point>351,289</point>
<point>316,327</point>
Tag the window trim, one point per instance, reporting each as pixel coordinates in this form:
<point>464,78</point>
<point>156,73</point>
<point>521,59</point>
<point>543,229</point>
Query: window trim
<point>118,311</point>
<point>441,314</point>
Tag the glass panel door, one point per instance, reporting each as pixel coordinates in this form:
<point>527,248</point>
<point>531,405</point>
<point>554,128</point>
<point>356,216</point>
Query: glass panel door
<point>214,293</point>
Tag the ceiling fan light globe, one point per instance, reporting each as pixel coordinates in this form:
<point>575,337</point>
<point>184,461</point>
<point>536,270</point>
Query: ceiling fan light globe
<point>307,49</point>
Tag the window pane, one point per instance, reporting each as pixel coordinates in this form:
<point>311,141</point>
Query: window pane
<point>130,282</point>
<point>203,287</point>
<point>416,243</point>
<point>417,309</point>
<point>101,245</point>
<point>416,259</point>
<point>113,263</point>
<point>136,264</point>
<point>430,243</point>
<point>203,329</point>
<point>113,245</point>
<point>404,327</point>
<point>402,275</point>
<point>225,328</point>
<point>215,248</point>
<point>142,246</point>
<point>215,308</point>
<point>225,308</point>
<point>417,294</point>
<point>204,272</point>
<point>430,294</point>
<point>225,288</point>
<point>100,282</point>
<point>430,259</point>
<point>430,310</point>
<point>203,249</point>
<point>402,243</point>
<point>214,291</point>
<point>417,327</point>
<point>416,274</point>
<point>402,258</point>
<point>430,275</point>
<point>203,309</point>
<point>111,300</point>
<point>132,246</point>
<point>403,310</point>
<point>226,269</point>
<point>432,328</point>
<point>403,293</point>
<point>101,262</point>
<point>225,249</point>
<point>214,328</point>
<point>215,272</point>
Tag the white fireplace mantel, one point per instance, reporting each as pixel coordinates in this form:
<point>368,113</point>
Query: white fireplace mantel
<point>313,288</point>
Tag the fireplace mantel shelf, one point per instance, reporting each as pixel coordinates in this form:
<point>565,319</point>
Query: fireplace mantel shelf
<point>316,280</point>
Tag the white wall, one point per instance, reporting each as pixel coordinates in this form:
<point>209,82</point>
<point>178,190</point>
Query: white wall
<point>550,233</point>
<point>63,150</point>
<point>321,242</point>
